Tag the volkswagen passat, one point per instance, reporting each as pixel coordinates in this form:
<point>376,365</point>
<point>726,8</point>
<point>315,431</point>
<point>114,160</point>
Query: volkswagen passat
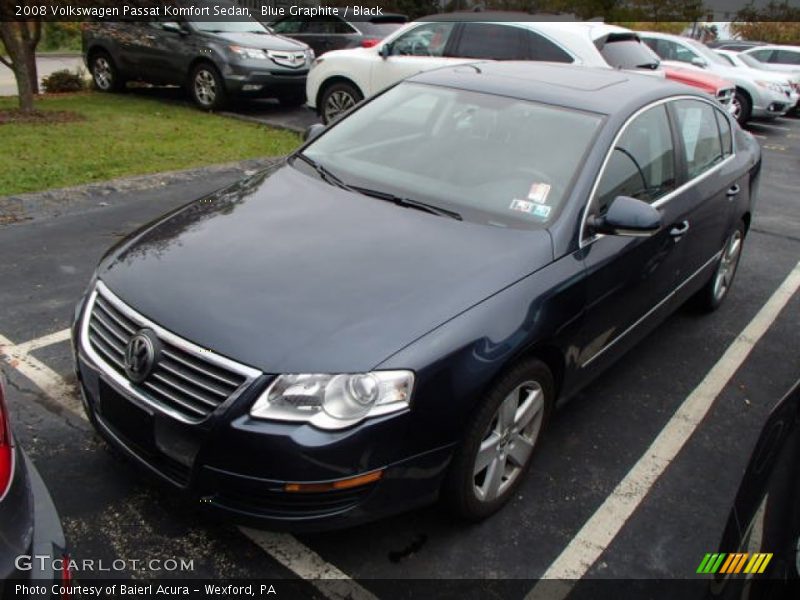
<point>392,313</point>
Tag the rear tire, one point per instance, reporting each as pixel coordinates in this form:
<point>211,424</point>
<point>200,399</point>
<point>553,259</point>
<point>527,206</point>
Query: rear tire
<point>207,88</point>
<point>105,74</point>
<point>500,441</point>
<point>338,99</point>
<point>715,291</point>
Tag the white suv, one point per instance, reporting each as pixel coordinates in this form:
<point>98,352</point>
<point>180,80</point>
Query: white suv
<point>341,79</point>
<point>758,93</point>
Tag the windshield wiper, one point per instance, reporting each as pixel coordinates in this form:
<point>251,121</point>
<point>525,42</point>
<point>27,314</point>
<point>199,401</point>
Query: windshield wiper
<point>323,172</point>
<point>410,203</point>
<point>258,31</point>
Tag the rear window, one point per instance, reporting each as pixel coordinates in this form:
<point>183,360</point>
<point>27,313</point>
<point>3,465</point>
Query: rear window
<point>380,29</point>
<point>626,53</point>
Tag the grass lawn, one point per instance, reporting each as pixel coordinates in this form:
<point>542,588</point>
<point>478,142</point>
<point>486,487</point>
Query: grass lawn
<point>123,135</point>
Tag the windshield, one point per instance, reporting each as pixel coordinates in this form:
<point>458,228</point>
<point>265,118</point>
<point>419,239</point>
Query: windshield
<point>628,53</point>
<point>707,52</point>
<point>490,159</point>
<point>250,26</point>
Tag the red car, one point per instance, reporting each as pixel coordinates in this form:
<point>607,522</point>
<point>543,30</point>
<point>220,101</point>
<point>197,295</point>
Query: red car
<point>721,89</point>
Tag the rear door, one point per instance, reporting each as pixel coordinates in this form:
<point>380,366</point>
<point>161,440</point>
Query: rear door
<point>163,56</point>
<point>421,48</point>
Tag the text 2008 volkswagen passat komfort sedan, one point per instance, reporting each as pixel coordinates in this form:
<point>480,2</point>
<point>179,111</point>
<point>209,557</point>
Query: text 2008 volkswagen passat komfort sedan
<point>392,313</point>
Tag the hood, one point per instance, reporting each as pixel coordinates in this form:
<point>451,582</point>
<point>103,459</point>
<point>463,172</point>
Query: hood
<point>286,273</point>
<point>263,41</point>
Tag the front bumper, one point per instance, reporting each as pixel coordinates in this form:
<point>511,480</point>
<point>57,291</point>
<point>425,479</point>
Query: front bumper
<point>771,104</point>
<point>264,80</point>
<point>239,466</point>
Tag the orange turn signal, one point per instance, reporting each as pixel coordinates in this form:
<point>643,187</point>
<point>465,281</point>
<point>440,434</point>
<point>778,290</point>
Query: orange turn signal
<point>339,484</point>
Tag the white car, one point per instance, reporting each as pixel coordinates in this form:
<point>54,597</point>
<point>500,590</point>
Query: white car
<point>740,59</point>
<point>340,79</point>
<point>785,58</point>
<point>758,93</point>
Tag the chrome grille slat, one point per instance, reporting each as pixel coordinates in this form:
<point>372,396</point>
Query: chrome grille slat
<point>151,386</point>
<point>171,354</point>
<point>165,379</point>
<point>202,384</point>
<point>187,382</point>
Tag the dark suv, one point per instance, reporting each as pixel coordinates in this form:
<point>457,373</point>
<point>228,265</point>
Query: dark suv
<point>213,60</point>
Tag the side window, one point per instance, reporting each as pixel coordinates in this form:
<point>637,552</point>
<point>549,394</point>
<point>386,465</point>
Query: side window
<point>642,164</point>
<point>290,25</point>
<point>762,55</point>
<point>700,134</point>
<point>725,133</point>
<point>320,26</point>
<point>429,39</point>
<point>540,48</point>
<point>492,41</point>
<point>787,57</point>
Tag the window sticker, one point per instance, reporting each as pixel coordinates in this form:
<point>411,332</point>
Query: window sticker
<point>538,192</point>
<point>522,205</point>
<point>542,210</point>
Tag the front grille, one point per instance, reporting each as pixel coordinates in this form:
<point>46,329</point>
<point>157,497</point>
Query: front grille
<point>187,381</point>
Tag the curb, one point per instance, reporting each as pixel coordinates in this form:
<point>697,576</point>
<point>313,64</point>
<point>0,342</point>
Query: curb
<point>63,201</point>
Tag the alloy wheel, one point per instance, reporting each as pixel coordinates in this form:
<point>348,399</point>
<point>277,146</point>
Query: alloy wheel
<point>737,107</point>
<point>205,87</point>
<point>508,442</point>
<point>727,265</point>
<point>337,103</point>
<point>103,74</point>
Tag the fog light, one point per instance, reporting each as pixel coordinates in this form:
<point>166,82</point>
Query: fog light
<point>251,87</point>
<point>339,484</point>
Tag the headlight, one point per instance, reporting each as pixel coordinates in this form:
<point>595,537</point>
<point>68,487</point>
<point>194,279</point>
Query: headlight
<point>246,52</point>
<point>334,401</point>
<point>775,87</point>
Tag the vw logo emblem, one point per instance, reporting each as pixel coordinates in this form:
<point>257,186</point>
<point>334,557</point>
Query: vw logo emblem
<point>140,355</point>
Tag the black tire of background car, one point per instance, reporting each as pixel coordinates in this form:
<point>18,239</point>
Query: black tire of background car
<point>340,87</point>
<point>746,106</point>
<point>118,84</point>
<point>706,300</point>
<point>458,488</point>
<point>221,96</point>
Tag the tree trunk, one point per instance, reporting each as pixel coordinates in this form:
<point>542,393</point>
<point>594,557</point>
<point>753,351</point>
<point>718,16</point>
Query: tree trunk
<point>33,72</point>
<point>20,46</point>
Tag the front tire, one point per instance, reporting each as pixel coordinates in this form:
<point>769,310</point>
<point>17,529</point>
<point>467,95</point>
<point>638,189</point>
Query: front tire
<point>206,87</point>
<point>500,441</point>
<point>105,74</point>
<point>338,99</point>
<point>742,107</point>
<point>716,290</point>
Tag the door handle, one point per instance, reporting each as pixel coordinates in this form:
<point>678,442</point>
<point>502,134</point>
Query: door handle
<point>733,191</point>
<point>679,230</point>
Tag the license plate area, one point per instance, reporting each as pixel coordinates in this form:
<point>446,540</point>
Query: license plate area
<point>135,425</point>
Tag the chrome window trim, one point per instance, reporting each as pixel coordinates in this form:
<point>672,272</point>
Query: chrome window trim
<point>123,385</point>
<point>661,303</point>
<point>585,240</point>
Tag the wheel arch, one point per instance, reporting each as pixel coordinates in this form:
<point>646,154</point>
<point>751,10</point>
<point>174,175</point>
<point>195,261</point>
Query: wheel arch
<point>330,81</point>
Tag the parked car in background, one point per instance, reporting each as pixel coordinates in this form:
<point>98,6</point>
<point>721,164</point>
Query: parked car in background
<point>743,60</point>
<point>212,60</point>
<point>340,80</point>
<point>716,87</point>
<point>735,45</point>
<point>758,93</point>
<point>29,522</point>
<point>522,226</point>
<point>328,33</point>
<point>765,516</point>
<point>782,56</point>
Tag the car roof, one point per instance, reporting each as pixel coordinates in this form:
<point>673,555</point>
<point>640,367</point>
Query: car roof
<point>605,91</point>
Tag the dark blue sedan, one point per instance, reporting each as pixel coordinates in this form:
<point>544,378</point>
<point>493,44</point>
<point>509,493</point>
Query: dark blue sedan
<point>392,314</point>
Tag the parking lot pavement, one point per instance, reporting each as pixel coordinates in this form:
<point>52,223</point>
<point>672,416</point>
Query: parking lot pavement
<point>46,64</point>
<point>596,441</point>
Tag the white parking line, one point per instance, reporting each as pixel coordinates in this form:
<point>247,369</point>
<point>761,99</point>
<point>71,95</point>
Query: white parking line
<point>603,526</point>
<point>308,564</point>
<point>48,381</point>
<point>282,547</point>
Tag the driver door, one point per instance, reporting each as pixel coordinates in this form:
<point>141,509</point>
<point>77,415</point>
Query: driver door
<point>421,48</point>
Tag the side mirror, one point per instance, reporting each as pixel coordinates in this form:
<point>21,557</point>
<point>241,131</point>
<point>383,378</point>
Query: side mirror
<point>313,131</point>
<point>699,62</point>
<point>174,27</point>
<point>627,217</point>
<point>385,51</point>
